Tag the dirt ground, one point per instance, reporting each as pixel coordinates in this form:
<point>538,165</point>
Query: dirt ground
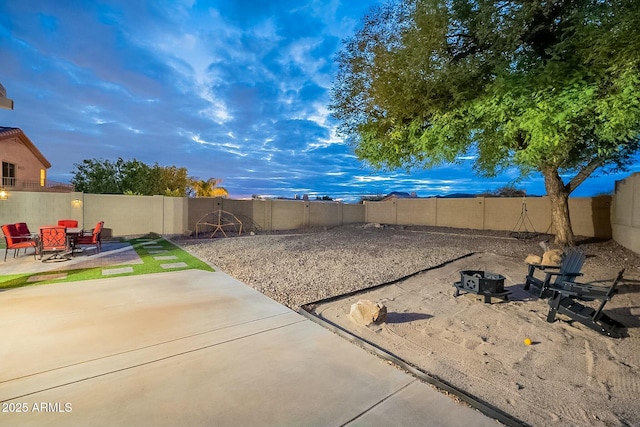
<point>569,375</point>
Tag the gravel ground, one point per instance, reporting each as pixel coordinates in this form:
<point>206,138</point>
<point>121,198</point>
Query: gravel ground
<point>304,266</point>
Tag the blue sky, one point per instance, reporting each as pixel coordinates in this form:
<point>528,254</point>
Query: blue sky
<point>236,90</point>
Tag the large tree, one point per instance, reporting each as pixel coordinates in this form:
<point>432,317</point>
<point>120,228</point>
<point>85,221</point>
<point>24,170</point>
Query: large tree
<point>170,180</point>
<point>544,86</point>
<point>102,176</point>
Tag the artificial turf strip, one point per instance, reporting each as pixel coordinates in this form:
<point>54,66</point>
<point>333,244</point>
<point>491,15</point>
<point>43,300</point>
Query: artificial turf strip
<point>149,265</point>
<point>149,262</point>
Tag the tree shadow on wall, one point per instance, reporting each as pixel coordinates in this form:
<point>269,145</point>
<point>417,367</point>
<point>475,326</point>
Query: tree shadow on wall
<point>601,217</point>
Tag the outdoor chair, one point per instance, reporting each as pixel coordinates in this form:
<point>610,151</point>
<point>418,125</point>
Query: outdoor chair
<point>564,302</point>
<point>68,223</point>
<point>54,239</point>
<point>93,239</point>
<point>25,233</point>
<point>568,270</point>
<point>14,240</point>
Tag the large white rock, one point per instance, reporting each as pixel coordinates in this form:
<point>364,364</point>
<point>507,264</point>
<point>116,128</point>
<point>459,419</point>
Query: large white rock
<point>533,259</point>
<point>365,312</point>
<point>553,257</point>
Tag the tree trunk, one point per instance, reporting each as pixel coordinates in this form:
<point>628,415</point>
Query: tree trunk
<point>559,197</point>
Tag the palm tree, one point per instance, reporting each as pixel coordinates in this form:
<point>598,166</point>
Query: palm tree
<point>208,188</point>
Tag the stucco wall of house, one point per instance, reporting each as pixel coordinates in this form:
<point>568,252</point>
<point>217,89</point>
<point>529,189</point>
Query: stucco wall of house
<point>28,166</point>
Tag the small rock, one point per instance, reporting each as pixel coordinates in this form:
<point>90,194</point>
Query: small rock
<point>533,259</point>
<point>373,225</point>
<point>553,257</point>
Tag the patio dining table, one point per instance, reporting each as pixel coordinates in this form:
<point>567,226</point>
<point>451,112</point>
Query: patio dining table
<point>72,238</point>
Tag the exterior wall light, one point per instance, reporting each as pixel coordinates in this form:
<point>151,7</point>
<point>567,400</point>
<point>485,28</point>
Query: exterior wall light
<point>76,203</point>
<point>4,194</point>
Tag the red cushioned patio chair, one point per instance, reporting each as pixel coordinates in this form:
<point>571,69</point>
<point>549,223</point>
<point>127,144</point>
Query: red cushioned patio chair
<point>54,239</point>
<point>25,233</point>
<point>14,240</point>
<point>92,239</point>
<point>69,223</point>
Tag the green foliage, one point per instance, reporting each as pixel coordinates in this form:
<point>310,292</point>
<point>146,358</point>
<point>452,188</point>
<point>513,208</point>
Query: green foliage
<point>96,176</point>
<point>173,193</point>
<point>172,181</point>
<point>552,87</point>
<point>132,177</point>
<point>537,85</point>
<point>209,188</point>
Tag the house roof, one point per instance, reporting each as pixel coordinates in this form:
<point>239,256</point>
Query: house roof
<point>7,132</point>
<point>399,195</point>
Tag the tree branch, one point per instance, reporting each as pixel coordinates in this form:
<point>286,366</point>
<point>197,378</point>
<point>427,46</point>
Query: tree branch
<point>584,173</point>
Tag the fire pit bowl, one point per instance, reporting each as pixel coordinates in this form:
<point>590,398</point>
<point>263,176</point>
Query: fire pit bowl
<point>482,283</point>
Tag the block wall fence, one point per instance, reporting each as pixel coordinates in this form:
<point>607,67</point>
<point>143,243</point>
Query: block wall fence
<point>625,213</point>
<point>616,216</point>
<point>590,216</point>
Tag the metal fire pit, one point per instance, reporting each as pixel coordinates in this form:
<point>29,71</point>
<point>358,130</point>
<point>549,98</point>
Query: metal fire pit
<point>481,283</point>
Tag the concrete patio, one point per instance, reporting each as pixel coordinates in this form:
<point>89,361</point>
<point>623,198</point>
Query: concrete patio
<point>193,348</point>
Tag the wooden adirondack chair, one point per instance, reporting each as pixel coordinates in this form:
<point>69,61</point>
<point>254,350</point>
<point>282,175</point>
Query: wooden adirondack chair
<point>568,270</point>
<point>564,301</point>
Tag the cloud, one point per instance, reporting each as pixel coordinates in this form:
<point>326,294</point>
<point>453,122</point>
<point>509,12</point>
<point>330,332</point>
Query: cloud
<point>232,90</point>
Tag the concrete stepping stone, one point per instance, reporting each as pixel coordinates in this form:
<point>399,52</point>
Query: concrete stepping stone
<point>165,257</point>
<point>149,242</point>
<point>121,270</point>
<point>174,265</point>
<point>43,277</point>
<point>152,247</point>
<point>158,251</point>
